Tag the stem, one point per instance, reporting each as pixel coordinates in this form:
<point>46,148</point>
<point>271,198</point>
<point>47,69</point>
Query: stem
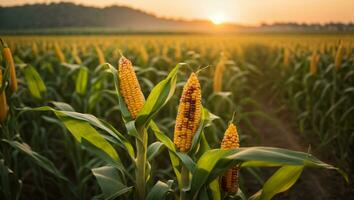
<point>140,172</point>
<point>185,182</point>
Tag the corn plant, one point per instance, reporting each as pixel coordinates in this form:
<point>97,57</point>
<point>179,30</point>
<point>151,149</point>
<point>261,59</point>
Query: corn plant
<point>197,167</point>
<point>126,132</point>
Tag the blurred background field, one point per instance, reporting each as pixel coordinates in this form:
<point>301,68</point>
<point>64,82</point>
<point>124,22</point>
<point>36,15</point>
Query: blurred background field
<point>287,85</point>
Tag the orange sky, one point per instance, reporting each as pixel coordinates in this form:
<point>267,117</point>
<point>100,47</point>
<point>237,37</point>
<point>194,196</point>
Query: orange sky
<point>238,11</point>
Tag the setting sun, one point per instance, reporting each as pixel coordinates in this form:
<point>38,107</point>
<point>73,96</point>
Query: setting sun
<point>217,19</point>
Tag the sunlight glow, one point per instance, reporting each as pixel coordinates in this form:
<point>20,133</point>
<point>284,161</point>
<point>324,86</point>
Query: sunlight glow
<point>217,19</point>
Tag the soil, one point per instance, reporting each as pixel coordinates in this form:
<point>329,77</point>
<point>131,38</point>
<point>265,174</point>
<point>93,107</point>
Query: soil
<point>314,184</point>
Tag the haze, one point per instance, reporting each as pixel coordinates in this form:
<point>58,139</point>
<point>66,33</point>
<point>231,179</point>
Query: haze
<point>250,12</point>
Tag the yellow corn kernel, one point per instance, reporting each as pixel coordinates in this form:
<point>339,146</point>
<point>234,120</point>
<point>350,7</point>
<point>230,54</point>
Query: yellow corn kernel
<point>229,180</point>
<point>11,65</point>
<point>230,140</point>
<point>129,87</point>
<point>313,63</point>
<point>189,114</point>
<point>3,104</point>
<point>59,53</point>
<point>219,71</point>
<point>339,57</point>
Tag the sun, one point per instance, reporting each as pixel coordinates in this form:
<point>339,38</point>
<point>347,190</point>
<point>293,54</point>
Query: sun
<point>217,19</point>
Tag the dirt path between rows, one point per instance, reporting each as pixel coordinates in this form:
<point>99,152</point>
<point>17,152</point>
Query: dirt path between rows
<point>314,184</point>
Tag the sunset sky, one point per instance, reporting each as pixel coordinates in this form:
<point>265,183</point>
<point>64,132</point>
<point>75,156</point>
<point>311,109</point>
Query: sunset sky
<point>251,12</point>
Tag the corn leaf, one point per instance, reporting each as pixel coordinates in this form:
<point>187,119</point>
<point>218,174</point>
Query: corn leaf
<point>175,156</point>
<point>83,130</point>
<point>110,182</point>
<point>81,81</point>
<point>280,181</point>
<point>87,120</point>
<point>36,158</point>
<point>160,191</point>
<point>158,97</point>
<point>215,162</point>
<point>154,149</point>
<point>34,81</point>
<point>11,186</point>
<point>123,107</point>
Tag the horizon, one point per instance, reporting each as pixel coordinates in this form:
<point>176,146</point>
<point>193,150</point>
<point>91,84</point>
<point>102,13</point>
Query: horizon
<point>225,13</point>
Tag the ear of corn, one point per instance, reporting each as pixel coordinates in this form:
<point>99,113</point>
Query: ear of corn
<point>178,53</point>
<point>219,71</point>
<point>75,55</point>
<point>313,63</point>
<point>165,50</point>
<point>189,114</point>
<point>3,104</point>
<point>286,59</point>
<point>100,55</point>
<point>11,65</point>
<point>35,48</point>
<point>156,48</point>
<point>339,57</point>
<point>143,54</point>
<point>59,53</point>
<point>129,87</point>
<point>229,180</point>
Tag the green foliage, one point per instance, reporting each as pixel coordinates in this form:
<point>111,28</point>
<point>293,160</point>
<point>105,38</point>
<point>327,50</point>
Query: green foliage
<point>70,129</point>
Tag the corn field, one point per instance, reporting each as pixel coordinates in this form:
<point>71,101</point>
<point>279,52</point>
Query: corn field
<point>173,116</point>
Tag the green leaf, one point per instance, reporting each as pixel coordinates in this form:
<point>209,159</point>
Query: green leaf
<point>280,181</point>
<point>63,106</point>
<point>159,191</point>
<point>154,149</point>
<point>197,136</point>
<point>10,185</point>
<point>81,81</point>
<point>215,162</point>
<point>186,160</point>
<point>83,130</point>
<point>110,182</point>
<point>240,195</point>
<point>100,153</point>
<point>162,137</point>
<point>34,81</point>
<point>175,165</point>
<point>123,107</point>
<point>36,158</point>
<point>90,119</point>
<point>175,156</point>
<point>158,97</point>
<point>214,188</point>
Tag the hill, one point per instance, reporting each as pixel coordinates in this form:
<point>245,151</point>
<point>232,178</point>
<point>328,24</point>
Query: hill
<point>66,15</point>
<point>72,18</point>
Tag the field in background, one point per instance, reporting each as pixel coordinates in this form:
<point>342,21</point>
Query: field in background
<point>284,90</point>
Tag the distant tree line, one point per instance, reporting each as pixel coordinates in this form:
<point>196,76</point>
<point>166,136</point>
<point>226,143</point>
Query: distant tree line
<point>27,18</point>
<point>331,26</point>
